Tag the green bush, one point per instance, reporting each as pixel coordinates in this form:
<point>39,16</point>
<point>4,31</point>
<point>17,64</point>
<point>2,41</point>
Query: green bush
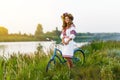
<point>102,63</point>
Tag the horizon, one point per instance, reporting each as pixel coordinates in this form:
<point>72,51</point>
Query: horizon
<point>92,16</point>
<point>59,30</point>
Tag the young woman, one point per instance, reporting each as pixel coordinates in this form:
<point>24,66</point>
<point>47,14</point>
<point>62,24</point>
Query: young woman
<point>67,35</point>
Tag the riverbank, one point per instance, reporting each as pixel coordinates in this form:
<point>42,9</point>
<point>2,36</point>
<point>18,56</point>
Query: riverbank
<point>102,63</point>
<point>80,37</point>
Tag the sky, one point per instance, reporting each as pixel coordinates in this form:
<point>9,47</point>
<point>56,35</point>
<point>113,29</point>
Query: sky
<point>89,15</point>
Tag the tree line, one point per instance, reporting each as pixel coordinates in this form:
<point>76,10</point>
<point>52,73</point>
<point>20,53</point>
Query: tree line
<point>39,35</point>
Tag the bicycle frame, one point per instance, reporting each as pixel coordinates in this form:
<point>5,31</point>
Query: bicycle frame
<point>55,55</point>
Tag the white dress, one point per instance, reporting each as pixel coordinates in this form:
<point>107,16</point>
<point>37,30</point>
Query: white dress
<point>67,50</point>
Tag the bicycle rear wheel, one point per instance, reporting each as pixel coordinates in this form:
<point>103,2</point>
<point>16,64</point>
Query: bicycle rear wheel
<point>79,57</point>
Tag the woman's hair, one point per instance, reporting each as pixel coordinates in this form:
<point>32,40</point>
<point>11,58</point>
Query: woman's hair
<point>63,18</point>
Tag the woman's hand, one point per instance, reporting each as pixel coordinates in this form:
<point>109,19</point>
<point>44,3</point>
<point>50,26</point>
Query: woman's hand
<point>63,42</point>
<point>67,42</point>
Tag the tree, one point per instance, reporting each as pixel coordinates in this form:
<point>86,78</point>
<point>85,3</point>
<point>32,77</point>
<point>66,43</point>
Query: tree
<point>39,30</point>
<point>3,31</point>
<point>39,33</point>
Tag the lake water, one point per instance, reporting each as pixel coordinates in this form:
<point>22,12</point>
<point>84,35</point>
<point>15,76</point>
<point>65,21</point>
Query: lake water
<point>8,48</point>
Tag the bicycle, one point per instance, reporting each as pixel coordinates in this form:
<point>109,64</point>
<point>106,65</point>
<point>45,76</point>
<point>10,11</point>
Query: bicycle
<point>79,57</point>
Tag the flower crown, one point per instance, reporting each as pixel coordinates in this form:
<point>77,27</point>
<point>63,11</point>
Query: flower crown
<point>68,15</point>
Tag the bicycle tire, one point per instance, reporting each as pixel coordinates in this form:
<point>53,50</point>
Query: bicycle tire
<point>79,56</point>
<point>57,57</point>
<point>50,63</point>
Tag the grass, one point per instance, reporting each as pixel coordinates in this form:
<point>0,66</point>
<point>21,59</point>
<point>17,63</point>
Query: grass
<point>102,63</point>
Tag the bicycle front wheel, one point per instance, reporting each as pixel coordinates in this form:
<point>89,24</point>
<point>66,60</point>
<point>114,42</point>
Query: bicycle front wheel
<point>50,65</point>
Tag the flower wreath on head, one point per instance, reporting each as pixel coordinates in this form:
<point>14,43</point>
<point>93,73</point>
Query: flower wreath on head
<point>67,14</point>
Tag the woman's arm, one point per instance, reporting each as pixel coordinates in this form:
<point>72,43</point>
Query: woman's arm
<point>72,35</point>
<point>62,37</point>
